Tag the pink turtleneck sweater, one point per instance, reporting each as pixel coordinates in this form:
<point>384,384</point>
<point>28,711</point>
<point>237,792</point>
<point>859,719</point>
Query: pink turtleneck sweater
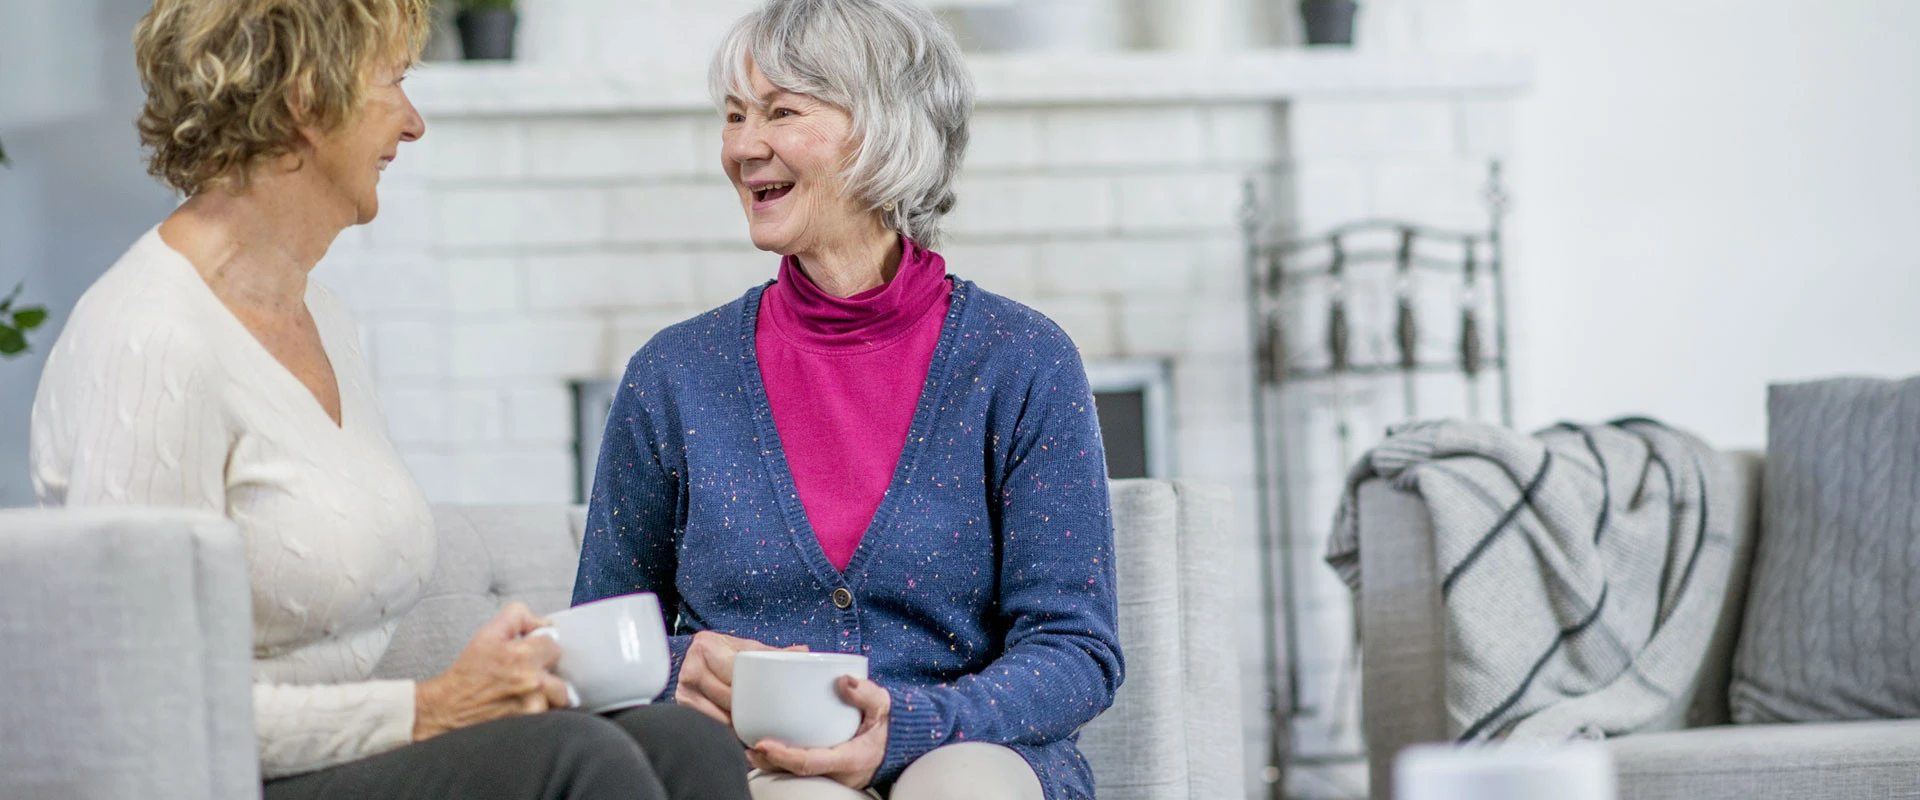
<point>843,378</point>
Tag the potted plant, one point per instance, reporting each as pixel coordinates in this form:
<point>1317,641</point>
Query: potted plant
<point>16,322</point>
<point>486,29</point>
<point>1328,21</point>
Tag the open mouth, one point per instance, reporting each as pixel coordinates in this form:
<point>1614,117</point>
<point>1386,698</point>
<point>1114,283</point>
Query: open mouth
<point>771,192</point>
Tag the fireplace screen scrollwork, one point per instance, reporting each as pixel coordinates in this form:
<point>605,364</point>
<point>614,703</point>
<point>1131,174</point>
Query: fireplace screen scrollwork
<point>1370,323</point>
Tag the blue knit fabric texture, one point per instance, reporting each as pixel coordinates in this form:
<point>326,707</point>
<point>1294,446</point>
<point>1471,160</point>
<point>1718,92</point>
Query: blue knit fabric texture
<point>983,590</point>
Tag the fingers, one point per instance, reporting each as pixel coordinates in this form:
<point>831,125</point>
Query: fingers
<point>757,761</point>
<point>802,761</point>
<point>545,652</point>
<point>555,692</point>
<point>871,698</point>
<point>522,619</point>
<point>700,689</point>
<point>697,702</point>
<point>798,648</point>
<point>715,652</point>
<point>512,622</point>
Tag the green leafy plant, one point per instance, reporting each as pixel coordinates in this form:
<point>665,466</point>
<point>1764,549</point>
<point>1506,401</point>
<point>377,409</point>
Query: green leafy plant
<point>15,323</point>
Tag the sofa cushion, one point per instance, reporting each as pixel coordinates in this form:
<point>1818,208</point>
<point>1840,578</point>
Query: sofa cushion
<point>1771,762</point>
<point>488,556</point>
<point>1832,628</point>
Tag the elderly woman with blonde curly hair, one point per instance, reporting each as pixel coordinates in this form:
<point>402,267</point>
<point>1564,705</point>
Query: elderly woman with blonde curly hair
<point>867,455</point>
<point>206,371</point>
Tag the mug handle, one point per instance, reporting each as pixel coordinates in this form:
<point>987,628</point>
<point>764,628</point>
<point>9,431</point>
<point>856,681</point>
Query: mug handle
<point>550,632</point>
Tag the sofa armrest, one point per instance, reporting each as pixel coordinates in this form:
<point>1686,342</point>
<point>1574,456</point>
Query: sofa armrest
<point>1403,630</point>
<point>128,657</point>
<point>1402,633</point>
<point>1174,728</point>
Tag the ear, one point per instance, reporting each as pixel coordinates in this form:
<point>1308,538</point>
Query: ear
<point>300,108</point>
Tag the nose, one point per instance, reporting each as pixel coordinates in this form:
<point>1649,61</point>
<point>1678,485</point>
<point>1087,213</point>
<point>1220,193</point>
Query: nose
<point>416,125</point>
<point>745,142</point>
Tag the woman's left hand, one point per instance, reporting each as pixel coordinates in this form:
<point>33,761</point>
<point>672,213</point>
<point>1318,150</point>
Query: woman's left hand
<point>850,763</point>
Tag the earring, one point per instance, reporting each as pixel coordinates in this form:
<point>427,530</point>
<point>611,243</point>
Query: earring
<point>888,207</point>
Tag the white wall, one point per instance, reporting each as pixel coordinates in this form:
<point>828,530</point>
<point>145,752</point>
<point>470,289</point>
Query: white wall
<point>1713,195</point>
<point>77,194</point>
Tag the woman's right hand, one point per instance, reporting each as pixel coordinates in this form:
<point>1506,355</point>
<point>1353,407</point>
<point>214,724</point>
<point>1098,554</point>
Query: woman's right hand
<point>706,674</point>
<point>502,673</point>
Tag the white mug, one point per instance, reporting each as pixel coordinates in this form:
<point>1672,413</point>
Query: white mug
<point>790,697</point>
<point>613,652</point>
<point>1578,771</point>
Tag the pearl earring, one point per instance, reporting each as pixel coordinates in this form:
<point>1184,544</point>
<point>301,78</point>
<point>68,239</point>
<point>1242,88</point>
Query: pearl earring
<point>888,207</point>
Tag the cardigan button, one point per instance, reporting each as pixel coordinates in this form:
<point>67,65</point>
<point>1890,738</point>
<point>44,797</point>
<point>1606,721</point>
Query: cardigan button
<point>842,599</point>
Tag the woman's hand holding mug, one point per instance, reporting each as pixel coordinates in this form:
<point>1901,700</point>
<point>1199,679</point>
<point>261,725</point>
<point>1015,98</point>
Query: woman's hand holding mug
<point>851,763</point>
<point>502,673</point>
<point>706,674</point>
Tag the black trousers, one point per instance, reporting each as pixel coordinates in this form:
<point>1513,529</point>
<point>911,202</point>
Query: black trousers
<point>656,752</point>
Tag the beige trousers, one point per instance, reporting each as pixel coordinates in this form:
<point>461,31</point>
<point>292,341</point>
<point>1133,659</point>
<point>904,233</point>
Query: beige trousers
<point>966,771</point>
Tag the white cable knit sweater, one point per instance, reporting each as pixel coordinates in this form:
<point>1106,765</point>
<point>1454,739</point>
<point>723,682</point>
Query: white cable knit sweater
<point>156,395</point>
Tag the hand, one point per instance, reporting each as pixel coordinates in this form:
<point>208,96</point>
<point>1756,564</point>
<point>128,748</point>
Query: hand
<point>850,763</point>
<point>502,673</point>
<point>706,674</point>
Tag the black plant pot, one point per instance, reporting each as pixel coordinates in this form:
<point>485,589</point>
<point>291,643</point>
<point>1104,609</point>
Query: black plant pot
<point>487,34</point>
<point>1328,21</point>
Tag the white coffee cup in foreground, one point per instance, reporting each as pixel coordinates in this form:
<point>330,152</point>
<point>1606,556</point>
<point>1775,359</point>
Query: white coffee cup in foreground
<point>791,697</point>
<point>1578,771</point>
<point>613,652</point>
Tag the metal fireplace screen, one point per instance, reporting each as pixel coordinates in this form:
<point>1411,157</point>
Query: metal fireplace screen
<point>1374,321</point>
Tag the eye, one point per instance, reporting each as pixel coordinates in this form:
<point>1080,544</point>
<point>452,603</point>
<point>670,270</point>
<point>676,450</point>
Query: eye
<point>784,112</point>
<point>736,117</point>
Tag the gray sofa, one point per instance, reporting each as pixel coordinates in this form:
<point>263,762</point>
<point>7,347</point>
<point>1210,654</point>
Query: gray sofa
<point>150,614</point>
<point>1704,758</point>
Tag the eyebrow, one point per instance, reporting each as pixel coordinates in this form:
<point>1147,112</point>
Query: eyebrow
<point>763,100</point>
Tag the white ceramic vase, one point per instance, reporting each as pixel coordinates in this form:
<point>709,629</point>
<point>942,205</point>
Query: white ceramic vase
<point>1044,26</point>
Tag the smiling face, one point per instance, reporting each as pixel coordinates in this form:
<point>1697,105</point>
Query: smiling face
<point>349,161</point>
<point>786,154</point>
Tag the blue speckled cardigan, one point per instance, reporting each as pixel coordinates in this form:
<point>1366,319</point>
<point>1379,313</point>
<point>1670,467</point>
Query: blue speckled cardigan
<point>983,589</point>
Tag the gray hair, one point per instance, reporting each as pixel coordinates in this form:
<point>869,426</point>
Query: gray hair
<point>897,71</point>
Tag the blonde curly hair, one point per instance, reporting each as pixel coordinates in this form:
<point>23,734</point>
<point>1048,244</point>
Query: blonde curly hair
<point>229,83</point>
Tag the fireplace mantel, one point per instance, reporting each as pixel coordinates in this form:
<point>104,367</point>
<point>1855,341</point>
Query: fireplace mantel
<point>455,89</point>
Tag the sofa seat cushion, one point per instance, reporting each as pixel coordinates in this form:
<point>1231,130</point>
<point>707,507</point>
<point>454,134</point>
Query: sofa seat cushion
<point>1765,762</point>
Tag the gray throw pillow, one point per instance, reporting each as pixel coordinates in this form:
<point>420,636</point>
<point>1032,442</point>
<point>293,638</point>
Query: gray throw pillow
<point>1832,626</point>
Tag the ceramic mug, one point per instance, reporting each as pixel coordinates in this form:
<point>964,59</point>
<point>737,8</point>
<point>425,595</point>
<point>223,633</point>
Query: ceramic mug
<point>613,652</point>
<point>791,697</point>
<point>1579,771</point>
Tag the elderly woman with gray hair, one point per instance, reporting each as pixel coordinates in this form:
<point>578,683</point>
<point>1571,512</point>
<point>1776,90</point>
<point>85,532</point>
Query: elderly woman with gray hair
<point>867,455</point>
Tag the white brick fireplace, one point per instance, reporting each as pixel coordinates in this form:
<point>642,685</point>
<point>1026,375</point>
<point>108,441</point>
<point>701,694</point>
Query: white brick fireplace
<point>556,216</point>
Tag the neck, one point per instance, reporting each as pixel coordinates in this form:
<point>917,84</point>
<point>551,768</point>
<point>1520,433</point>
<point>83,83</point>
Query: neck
<point>854,264</point>
<point>258,247</point>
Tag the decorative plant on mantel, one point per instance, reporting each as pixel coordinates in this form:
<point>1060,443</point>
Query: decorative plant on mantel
<point>487,29</point>
<point>16,322</point>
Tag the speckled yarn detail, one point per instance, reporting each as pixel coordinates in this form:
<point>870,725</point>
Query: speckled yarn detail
<point>983,590</point>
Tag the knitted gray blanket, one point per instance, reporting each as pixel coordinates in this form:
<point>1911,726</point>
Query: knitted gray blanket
<point>1582,569</point>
